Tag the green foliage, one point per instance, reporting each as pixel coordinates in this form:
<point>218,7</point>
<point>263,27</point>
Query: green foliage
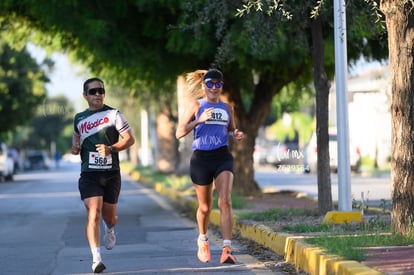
<point>307,228</point>
<point>351,247</point>
<point>374,224</point>
<point>292,98</point>
<point>117,40</point>
<point>288,126</point>
<point>237,201</point>
<point>21,87</point>
<point>52,122</point>
<point>367,161</point>
<point>176,182</point>
<point>270,7</point>
<point>277,214</point>
<point>366,35</point>
<point>370,166</point>
<point>173,37</point>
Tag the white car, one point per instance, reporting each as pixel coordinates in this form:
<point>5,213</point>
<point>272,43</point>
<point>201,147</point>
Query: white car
<point>6,164</point>
<point>311,154</point>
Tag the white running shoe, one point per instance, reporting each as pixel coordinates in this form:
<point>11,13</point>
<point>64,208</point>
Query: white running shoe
<point>98,267</point>
<point>109,238</point>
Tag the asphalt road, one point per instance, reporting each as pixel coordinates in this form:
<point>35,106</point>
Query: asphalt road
<point>374,189</point>
<point>42,231</point>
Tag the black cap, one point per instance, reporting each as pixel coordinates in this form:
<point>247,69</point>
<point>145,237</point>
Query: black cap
<point>213,74</point>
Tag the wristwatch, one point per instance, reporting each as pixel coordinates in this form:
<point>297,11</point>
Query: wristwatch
<point>112,149</point>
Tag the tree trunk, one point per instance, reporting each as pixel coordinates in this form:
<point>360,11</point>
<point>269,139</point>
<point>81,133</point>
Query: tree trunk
<point>249,122</point>
<point>182,165</point>
<point>167,143</point>
<point>399,20</point>
<point>242,151</point>
<point>322,86</point>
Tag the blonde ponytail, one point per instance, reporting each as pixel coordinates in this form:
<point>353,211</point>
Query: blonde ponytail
<point>194,81</point>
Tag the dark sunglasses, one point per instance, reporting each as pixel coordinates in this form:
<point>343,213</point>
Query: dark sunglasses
<point>93,91</point>
<point>210,84</point>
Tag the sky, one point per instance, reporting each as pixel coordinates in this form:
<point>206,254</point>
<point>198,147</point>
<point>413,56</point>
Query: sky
<point>66,79</point>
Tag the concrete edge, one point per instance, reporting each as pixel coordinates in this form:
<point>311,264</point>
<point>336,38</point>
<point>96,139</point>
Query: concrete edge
<point>294,249</point>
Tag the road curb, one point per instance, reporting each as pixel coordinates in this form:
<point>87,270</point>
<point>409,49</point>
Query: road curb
<point>294,249</point>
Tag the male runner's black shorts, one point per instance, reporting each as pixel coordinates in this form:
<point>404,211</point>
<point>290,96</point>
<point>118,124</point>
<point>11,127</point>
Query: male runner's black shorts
<point>207,165</point>
<point>106,184</point>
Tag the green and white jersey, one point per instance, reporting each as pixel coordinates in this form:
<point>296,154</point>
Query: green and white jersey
<point>99,127</point>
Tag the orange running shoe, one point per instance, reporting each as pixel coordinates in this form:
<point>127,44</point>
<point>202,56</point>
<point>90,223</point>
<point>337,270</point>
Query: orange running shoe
<point>203,253</point>
<point>227,257</point>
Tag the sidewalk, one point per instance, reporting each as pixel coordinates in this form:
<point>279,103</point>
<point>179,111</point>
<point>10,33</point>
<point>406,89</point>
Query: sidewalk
<point>391,260</point>
<point>382,260</point>
<point>152,238</point>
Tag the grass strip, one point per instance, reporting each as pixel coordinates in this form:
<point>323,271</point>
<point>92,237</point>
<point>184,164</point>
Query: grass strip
<point>352,247</point>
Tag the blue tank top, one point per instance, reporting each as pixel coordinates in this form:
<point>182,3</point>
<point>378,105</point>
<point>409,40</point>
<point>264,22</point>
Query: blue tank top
<point>213,133</point>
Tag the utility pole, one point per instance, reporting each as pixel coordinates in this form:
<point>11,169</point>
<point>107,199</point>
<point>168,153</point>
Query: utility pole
<point>345,213</point>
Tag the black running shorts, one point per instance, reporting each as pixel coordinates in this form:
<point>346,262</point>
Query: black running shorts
<point>207,165</point>
<point>104,184</point>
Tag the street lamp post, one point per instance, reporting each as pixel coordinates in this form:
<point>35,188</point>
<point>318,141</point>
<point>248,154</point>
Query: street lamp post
<point>344,188</point>
<point>345,213</point>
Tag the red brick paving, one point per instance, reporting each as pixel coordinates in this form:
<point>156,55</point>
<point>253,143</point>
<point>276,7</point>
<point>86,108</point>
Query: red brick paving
<point>391,260</point>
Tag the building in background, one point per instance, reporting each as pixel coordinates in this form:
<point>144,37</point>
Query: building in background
<point>369,117</point>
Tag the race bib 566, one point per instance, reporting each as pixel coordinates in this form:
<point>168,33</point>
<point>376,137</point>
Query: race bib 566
<point>98,162</point>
